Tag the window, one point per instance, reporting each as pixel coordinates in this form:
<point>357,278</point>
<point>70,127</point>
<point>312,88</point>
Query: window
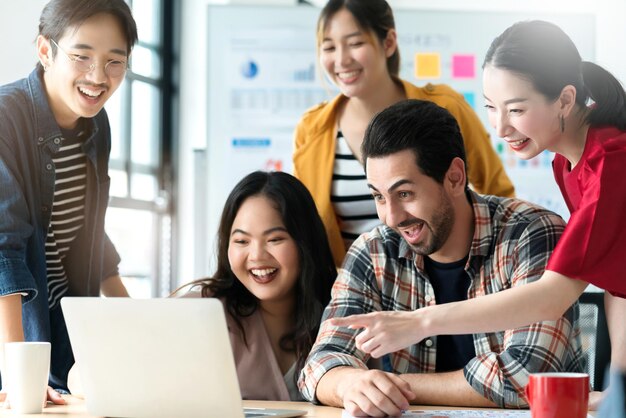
<point>139,215</point>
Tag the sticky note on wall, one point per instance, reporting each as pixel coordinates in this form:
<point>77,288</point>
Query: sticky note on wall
<point>427,65</point>
<point>463,66</point>
<point>470,98</point>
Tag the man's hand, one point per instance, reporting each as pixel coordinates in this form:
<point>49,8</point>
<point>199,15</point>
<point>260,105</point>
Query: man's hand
<point>384,332</point>
<point>52,396</point>
<point>374,393</point>
<point>55,397</point>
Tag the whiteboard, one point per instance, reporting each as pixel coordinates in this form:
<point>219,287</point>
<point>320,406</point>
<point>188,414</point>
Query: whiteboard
<point>263,74</point>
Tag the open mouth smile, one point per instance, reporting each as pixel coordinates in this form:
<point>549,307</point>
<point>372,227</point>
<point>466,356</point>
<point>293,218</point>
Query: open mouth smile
<point>412,232</point>
<point>264,275</point>
<point>518,144</point>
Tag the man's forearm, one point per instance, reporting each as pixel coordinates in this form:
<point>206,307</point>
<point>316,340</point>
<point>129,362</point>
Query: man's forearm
<point>451,389</point>
<point>10,322</point>
<point>11,318</point>
<point>329,388</point>
<point>112,286</point>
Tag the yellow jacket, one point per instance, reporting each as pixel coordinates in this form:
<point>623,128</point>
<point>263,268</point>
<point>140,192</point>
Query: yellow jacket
<point>314,154</point>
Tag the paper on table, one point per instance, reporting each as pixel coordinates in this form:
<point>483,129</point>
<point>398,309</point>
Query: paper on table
<point>442,413</point>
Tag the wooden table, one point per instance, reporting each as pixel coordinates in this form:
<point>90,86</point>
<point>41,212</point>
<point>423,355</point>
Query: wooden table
<point>76,408</point>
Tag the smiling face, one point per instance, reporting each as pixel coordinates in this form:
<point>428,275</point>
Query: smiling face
<point>74,94</point>
<point>261,253</point>
<point>352,58</point>
<point>523,117</point>
<point>410,202</point>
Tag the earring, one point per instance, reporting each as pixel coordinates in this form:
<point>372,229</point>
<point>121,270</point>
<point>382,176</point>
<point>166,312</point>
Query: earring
<point>562,123</point>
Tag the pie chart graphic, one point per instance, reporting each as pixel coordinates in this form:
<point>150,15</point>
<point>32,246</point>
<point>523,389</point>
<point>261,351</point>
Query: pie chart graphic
<point>249,69</point>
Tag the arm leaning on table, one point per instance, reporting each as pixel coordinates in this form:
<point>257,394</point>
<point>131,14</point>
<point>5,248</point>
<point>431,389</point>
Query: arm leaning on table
<point>335,365</point>
<point>499,372</point>
<point>337,374</point>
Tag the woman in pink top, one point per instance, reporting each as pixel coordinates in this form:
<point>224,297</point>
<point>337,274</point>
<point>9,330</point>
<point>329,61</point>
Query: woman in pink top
<point>540,95</point>
<point>274,275</point>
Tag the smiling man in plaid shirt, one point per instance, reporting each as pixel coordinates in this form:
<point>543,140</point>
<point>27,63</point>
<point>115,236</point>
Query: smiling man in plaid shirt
<point>440,243</point>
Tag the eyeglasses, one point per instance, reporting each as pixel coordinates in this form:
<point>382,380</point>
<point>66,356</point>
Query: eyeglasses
<point>86,64</point>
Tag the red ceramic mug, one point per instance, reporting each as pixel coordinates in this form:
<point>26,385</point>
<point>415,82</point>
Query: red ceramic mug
<point>558,395</point>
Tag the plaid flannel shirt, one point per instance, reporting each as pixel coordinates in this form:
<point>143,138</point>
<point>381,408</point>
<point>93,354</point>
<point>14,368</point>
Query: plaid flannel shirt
<point>512,242</point>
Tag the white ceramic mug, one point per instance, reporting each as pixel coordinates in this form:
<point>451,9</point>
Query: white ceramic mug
<point>27,365</point>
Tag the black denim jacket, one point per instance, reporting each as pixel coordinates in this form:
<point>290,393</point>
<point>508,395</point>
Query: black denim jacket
<point>29,139</point>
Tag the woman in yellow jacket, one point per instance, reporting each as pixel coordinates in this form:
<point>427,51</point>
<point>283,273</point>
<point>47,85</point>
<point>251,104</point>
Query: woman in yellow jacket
<point>358,50</point>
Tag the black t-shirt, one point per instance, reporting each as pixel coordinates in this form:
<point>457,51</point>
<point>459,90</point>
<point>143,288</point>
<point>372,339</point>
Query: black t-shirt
<point>450,283</point>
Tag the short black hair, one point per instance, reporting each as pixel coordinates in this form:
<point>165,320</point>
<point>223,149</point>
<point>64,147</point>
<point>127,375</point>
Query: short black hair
<point>430,131</point>
<point>59,15</point>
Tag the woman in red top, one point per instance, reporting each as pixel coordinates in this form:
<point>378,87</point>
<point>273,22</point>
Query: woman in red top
<point>541,96</point>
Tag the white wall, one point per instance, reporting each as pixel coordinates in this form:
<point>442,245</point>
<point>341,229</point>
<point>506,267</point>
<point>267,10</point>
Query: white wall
<point>19,21</point>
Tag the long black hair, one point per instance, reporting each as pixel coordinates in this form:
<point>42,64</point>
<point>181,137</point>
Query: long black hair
<point>372,16</point>
<point>543,54</point>
<point>317,267</point>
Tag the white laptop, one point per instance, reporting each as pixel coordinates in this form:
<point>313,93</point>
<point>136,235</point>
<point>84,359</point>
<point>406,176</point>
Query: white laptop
<point>156,358</point>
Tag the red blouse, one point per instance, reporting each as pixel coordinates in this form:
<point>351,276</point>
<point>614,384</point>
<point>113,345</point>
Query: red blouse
<point>593,246</point>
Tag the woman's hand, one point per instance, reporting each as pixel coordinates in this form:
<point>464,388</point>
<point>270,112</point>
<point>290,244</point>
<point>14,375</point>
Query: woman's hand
<point>384,332</point>
<point>595,399</point>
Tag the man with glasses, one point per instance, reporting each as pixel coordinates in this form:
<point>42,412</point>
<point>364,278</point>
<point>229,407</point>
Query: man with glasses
<point>55,141</point>
<point>86,63</point>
